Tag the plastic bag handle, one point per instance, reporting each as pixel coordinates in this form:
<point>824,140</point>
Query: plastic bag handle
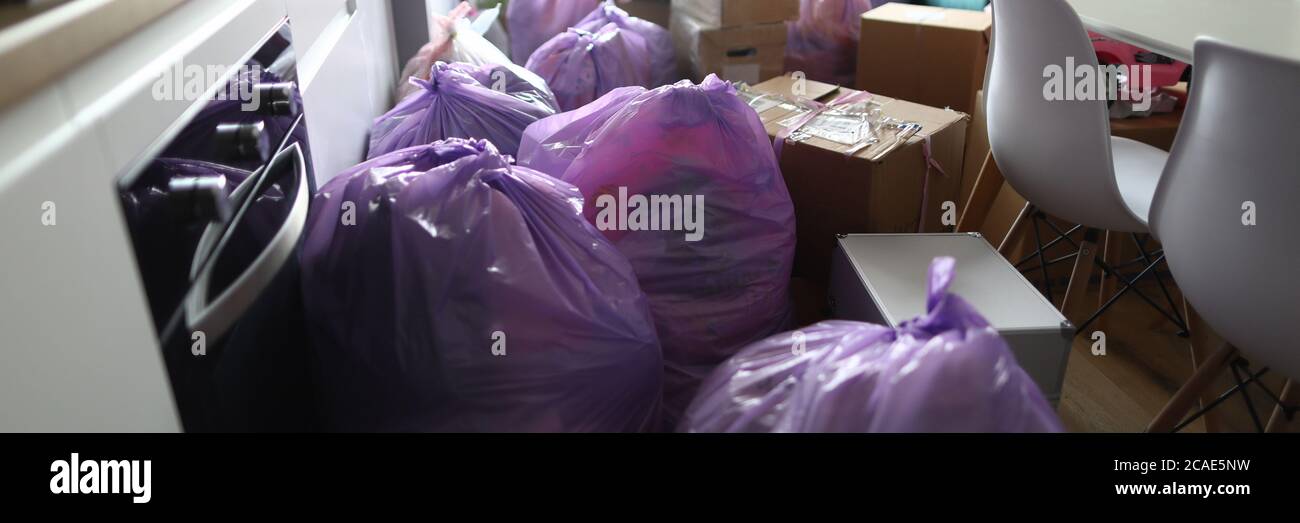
<point>942,271</point>
<point>483,23</point>
<point>215,317</point>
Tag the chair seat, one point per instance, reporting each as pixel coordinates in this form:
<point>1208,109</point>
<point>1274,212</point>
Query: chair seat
<point>1137,172</point>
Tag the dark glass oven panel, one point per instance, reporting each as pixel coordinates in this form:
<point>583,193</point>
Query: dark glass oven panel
<point>190,181</point>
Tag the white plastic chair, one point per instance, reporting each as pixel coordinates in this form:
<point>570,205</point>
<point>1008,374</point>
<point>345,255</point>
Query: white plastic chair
<point>1237,152</point>
<point>1059,154</point>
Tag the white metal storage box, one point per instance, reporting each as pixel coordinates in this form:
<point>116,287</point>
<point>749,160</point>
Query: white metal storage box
<point>882,278</point>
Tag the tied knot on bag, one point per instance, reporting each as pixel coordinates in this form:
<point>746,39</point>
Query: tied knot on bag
<point>438,69</point>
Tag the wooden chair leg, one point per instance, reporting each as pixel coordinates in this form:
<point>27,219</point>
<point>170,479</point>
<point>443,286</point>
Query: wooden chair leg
<point>1193,391</point>
<point>1201,343</point>
<point>1016,234</point>
<point>982,196</point>
<point>1072,305</point>
<point>1290,398</point>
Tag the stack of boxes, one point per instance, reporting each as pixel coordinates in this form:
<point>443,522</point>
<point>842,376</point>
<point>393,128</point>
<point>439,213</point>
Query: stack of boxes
<point>739,40</point>
<point>929,55</point>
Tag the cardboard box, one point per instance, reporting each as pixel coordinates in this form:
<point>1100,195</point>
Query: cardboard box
<point>835,193</point>
<point>714,14</point>
<point>741,54</point>
<point>657,11</point>
<point>932,55</point>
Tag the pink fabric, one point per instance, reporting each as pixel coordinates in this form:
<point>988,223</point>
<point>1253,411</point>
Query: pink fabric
<point>823,42</point>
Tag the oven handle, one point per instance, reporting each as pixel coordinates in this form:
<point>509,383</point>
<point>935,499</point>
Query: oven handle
<point>215,317</point>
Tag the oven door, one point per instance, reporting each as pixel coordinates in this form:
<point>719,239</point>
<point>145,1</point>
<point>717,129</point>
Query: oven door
<point>215,215</point>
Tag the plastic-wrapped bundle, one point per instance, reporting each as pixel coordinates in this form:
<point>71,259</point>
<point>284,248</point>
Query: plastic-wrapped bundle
<point>823,43</point>
<point>490,102</point>
<point>454,38</point>
<point>714,255</point>
<point>946,371</point>
<point>658,41</point>
<point>450,291</point>
<point>581,66</point>
<point>532,23</point>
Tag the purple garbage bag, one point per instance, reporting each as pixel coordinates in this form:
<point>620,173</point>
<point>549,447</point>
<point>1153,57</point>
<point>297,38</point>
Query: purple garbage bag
<point>532,22</point>
<point>690,152</point>
<point>659,43</point>
<point>581,66</point>
<point>448,290</point>
<point>945,371</point>
<point>491,102</point>
<point>823,42</point>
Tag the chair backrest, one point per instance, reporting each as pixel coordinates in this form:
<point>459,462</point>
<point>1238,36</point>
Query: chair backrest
<point>1238,153</point>
<point>1056,153</point>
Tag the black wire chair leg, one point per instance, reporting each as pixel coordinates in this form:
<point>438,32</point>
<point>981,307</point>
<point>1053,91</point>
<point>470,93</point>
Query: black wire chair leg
<point>1219,400</point>
<point>1127,286</point>
<point>1181,323</point>
<point>1042,260</point>
<point>1133,283</point>
<point>1245,396</point>
<point>1048,245</point>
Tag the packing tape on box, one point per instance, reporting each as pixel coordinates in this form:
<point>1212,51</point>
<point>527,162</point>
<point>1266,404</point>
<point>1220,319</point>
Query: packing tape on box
<point>817,109</point>
<point>930,163</point>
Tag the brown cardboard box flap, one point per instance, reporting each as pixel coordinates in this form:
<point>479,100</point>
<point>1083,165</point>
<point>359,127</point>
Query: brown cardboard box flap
<point>750,35</point>
<point>785,85</point>
<point>962,19</point>
<point>731,13</point>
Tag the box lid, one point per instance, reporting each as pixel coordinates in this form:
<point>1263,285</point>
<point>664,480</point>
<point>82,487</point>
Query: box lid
<point>746,35</point>
<point>730,13</point>
<point>894,269</point>
<point>924,15</point>
<point>932,119</point>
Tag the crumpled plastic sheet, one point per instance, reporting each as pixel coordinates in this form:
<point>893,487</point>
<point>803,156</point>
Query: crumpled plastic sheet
<point>658,41</point>
<point>465,294</point>
<point>442,30</point>
<point>490,102</point>
<point>731,287</point>
<point>454,38</point>
<point>581,66</point>
<point>532,23</point>
<point>945,371</point>
<point>823,42</point>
